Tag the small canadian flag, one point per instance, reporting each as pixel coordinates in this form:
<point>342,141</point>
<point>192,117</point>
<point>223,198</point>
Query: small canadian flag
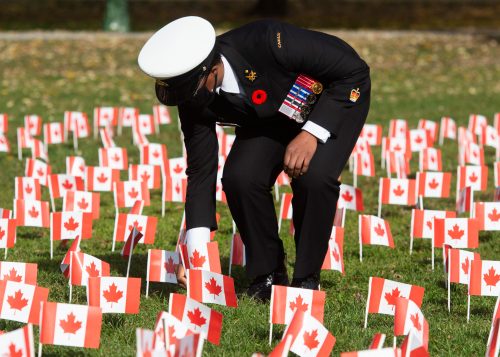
<point>28,188</point>
<point>72,120</point>
<point>372,133</point>
<point>196,316</point>
<point>126,193</point>
<point>113,157</point>
<point>60,183</point>
<point>408,316</point>
<point>287,301</point>
<point>398,145</point>
<point>68,226</point>
<point>334,258</point>
<point>398,128</point>
<point>398,191</point>
<point>106,135</point>
<point>361,146</point>
<point>33,124</point>
<point>20,272</point>
<point>471,153</point>
<point>457,232</point>
<point>4,143</point>
<point>458,263</point>
<point>412,346</point>
<point>364,164</point>
<point>162,266</point>
<point>488,215</point>
<point>144,124</point>
<point>419,140</point>
<point>115,294</point>
<point>201,256</point>
<point>448,129</point>
<point>139,139</point>
<point>174,189</point>
<point>431,127</point>
<point>286,210</point>
<point>105,116</point>
<point>32,213</point>
<point>149,174</point>
<point>178,167</point>
<point>161,114</point>
<point>154,154</point>
<point>53,133</point>
<point>70,325</point>
<point>18,343</point>
<point>473,176</point>
<point>464,200</point>
<point>484,278</point>
<point>476,123</point>
<point>7,232</point>
<point>490,136</point>
<point>65,263</point>
<point>38,169</point>
<point>307,337</point>
<point>422,221</point>
<point>350,198</point>
<point>125,222</point>
<point>434,184</point>
<point>21,302</point>
<point>126,116</point>
<point>209,287</point>
<point>75,166</point>
<point>82,201</point>
<point>175,327</point>
<point>98,178</point>
<point>465,136</point>
<point>38,150</point>
<point>397,163</point>
<point>84,266</point>
<point>430,160</point>
<point>374,230</point>
<point>24,139</point>
<point>383,294</point>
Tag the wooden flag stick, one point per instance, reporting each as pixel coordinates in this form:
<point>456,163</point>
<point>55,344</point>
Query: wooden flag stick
<point>368,301</point>
<point>147,273</point>
<point>360,239</point>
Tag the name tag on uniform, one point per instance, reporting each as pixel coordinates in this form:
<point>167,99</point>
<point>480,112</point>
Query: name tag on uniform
<point>301,97</point>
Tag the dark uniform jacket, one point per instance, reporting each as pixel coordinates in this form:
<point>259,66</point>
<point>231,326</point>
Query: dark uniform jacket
<point>277,53</point>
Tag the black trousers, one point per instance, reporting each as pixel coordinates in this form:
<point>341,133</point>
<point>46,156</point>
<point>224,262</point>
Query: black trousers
<point>251,169</point>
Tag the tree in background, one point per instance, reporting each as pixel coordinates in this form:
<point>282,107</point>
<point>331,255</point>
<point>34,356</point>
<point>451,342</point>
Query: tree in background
<point>270,8</point>
<point>117,18</point>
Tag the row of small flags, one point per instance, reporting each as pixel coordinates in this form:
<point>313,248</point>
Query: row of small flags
<point>206,284</point>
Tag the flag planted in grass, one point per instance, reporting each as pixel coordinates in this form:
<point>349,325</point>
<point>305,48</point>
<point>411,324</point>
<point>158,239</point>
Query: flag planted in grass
<point>20,272</point>
<point>18,343</point>
<point>21,302</point>
<point>209,287</point>
<point>115,294</point>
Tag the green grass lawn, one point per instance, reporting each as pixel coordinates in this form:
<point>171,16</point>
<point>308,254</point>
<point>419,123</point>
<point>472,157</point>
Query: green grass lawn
<point>414,76</point>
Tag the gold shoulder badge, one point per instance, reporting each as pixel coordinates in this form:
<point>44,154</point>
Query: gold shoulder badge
<point>317,88</point>
<point>250,75</point>
<point>278,39</point>
<point>354,95</point>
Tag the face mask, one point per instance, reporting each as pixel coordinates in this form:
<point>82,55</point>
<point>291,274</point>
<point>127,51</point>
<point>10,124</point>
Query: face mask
<point>203,97</point>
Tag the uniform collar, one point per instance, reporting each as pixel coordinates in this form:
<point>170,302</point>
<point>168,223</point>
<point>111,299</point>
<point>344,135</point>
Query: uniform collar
<point>229,81</point>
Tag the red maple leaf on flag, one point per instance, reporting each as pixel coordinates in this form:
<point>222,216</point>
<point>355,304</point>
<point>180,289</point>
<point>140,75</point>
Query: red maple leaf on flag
<point>415,321</point>
<point>112,294</point>
<point>33,212</point>
<point>465,266</point>
<point>169,266</point>
<point>196,317</point>
<point>433,184</point>
<point>391,297</point>
<point>82,168</point>
<point>40,172</point>
<point>419,139</point>
<point>116,157</point>
<point>92,270</point>
<point>310,340</point>
<point>397,148</point>
<point>398,191</point>
<point>197,260</point>
<point>494,216</point>
<point>71,224</point>
<point>171,335</point>
<point>28,189</point>
<point>145,176</point>
<point>13,276</point>
<point>67,185</point>
<point>156,154</point>
<point>70,325</point>
<point>83,204</point>
<point>102,178</point>
<point>491,279</point>
<point>335,254</point>
<point>379,230</point>
<point>347,196</point>
<point>369,134</point>
<point>133,193</point>
<point>212,287</point>
<point>13,351</point>
<point>298,304</point>
<point>2,233</point>
<point>16,301</point>
<point>473,177</point>
<point>456,232</point>
<point>429,224</point>
<point>178,169</point>
<point>55,133</point>
<point>432,158</point>
<point>136,225</point>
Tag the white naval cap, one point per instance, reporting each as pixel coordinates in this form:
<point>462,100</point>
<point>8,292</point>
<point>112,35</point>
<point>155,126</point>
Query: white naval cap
<point>177,48</point>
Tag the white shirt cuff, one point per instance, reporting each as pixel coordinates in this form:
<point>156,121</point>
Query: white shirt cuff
<point>199,235</point>
<point>318,131</point>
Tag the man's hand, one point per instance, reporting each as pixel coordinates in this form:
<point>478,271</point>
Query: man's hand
<point>181,276</point>
<point>299,153</point>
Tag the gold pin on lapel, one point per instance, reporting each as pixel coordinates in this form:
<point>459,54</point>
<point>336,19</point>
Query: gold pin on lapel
<point>250,75</point>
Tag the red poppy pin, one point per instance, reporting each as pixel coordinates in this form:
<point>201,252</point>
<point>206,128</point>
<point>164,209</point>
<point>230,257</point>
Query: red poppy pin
<point>259,96</point>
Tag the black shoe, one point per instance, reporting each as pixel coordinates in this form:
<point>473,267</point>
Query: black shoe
<point>260,288</point>
<point>311,282</point>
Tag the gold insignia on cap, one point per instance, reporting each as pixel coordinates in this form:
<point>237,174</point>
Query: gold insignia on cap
<point>317,88</point>
<point>250,75</point>
<point>354,95</point>
<point>278,39</point>
<point>161,83</point>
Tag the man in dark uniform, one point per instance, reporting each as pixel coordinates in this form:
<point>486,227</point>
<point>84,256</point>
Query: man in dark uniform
<point>255,77</point>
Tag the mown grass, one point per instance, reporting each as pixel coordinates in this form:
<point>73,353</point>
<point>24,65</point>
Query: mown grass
<point>414,76</point>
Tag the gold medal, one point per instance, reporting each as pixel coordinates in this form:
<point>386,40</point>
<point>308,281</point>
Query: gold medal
<point>317,88</point>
